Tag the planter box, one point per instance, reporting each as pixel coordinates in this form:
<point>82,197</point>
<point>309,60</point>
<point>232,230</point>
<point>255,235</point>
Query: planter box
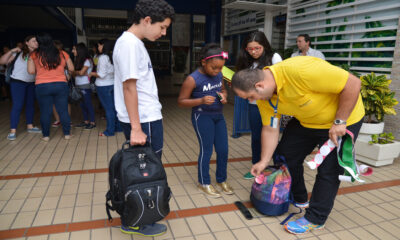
<point>367,129</point>
<point>376,154</point>
<point>372,128</point>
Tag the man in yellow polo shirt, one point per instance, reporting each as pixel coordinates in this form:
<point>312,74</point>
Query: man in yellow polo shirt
<point>325,101</point>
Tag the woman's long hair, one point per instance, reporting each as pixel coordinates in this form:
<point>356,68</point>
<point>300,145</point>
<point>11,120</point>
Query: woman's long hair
<point>82,53</point>
<point>25,48</point>
<point>245,60</point>
<point>108,47</point>
<point>48,54</point>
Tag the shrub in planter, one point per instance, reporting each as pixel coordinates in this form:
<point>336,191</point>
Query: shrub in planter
<point>377,97</point>
<point>383,138</point>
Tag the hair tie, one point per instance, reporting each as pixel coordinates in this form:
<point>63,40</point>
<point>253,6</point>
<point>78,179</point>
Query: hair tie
<point>224,55</point>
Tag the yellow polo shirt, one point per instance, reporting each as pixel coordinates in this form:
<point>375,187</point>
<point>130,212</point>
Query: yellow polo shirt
<point>308,89</point>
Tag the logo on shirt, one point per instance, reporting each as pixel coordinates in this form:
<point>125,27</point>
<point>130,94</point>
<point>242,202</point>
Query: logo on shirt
<point>305,104</point>
<point>208,87</point>
<point>149,65</point>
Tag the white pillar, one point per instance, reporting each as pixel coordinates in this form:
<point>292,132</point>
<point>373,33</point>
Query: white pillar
<point>79,24</point>
<point>268,25</point>
<point>392,122</point>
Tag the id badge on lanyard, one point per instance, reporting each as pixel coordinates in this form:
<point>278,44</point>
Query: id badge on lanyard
<point>274,120</point>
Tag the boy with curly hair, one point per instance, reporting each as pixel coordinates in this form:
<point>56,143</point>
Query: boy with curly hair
<point>135,89</point>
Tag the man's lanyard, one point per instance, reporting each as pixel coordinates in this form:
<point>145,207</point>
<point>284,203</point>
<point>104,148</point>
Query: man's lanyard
<point>274,119</point>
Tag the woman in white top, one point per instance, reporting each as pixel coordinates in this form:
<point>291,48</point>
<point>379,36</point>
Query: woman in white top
<point>256,52</point>
<point>105,86</point>
<point>83,66</point>
<point>22,86</point>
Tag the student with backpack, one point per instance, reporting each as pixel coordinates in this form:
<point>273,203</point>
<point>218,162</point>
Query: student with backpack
<point>256,52</point>
<point>204,92</point>
<point>135,89</point>
<point>22,86</point>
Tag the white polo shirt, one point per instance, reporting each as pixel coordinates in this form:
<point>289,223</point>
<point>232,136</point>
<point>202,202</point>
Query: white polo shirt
<point>311,52</point>
<point>131,61</point>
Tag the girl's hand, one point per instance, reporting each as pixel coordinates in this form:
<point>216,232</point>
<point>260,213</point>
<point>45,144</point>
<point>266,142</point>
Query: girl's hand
<point>15,50</point>
<point>222,97</point>
<point>208,100</point>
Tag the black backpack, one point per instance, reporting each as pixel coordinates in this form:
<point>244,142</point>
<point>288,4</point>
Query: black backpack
<point>139,190</point>
<point>10,68</point>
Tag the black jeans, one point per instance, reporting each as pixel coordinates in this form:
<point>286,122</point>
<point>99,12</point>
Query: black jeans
<point>296,144</point>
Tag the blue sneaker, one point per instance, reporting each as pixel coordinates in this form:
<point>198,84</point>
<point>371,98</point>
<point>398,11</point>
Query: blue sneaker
<point>301,205</point>
<point>151,230</point>
<point>301,226</point>
<point>34,130</point>
<point>12,136</point>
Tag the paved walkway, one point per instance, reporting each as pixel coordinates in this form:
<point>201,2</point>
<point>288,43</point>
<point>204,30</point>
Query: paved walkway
<point>55,190</point>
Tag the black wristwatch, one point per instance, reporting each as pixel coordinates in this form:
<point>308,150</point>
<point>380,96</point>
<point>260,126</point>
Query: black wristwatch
<point>339,122</point>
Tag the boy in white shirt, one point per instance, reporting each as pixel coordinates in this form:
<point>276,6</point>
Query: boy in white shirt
<point>135,89</point>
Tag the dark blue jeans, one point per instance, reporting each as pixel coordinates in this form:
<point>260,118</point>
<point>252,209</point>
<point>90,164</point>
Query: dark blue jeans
<point>153,130</point>
<point>106,97</point>
<point>49,94</point>
<point>296,144</point>
<point>255,127</point>
<point>86,105</point>
<point>211,131</point>
<point>22,93</point>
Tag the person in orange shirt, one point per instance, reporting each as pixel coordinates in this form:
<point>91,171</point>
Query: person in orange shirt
<point>48,63</point>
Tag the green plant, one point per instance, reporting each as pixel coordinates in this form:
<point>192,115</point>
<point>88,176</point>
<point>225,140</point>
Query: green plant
<point>347,68</point>
<point>287,53</point>
<point>377,97</point>
<point>383,138</point>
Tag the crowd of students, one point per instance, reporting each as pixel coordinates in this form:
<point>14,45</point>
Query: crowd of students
<point>42,71</point>
<point>125,83</point>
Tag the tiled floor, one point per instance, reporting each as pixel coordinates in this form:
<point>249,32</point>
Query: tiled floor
<point>56,190</point>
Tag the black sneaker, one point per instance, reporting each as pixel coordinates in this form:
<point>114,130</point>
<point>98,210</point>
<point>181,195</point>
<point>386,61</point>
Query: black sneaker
<point>90,126</point>
<point>82,124</point>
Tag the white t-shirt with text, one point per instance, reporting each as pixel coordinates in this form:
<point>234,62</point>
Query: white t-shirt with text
<point>132,61</point>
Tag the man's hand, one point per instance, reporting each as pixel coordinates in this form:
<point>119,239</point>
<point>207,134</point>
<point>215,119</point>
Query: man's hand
<point>258,168</point>
<point>208,100</point>
<point>337,131</point>
<point>138,137</point>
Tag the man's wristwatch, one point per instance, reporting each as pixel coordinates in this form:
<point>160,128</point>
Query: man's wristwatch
<point>339,122</point>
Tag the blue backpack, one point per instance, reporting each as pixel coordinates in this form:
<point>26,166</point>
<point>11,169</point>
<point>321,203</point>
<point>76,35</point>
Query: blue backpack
<point>270,193</point>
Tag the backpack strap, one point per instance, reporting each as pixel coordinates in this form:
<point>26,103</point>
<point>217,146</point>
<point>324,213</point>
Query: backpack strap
<point>108,206</point>
<point>10,67</point>
<point>346,160</point>
<point>291,214</point>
